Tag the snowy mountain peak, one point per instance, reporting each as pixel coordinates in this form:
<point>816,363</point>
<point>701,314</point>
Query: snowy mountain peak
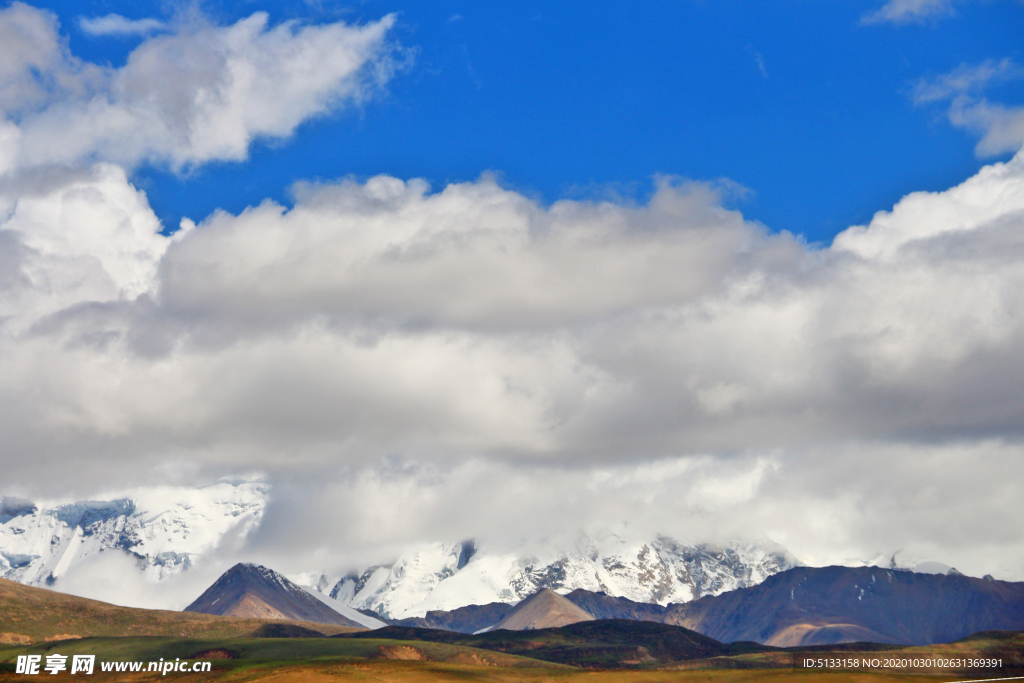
<point>443,576</point>
<point>165,529</point>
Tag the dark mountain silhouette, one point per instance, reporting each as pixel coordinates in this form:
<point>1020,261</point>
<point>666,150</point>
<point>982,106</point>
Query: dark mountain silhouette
<point>603,606</point>
<point>811,606</point>
<point>249,590</point>
<point>807,606</point>
<point>606,643</point>
<point>828,605</point>
<point>469,619</point>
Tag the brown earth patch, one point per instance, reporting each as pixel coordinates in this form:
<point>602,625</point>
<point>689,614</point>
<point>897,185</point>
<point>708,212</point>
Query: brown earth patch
<point>217,653</point>
<point>400,652</point>
<point>471,658</point>
<point>14,639</point>
<point>62,636</point>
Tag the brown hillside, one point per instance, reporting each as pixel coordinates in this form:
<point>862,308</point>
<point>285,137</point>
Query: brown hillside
<point>36,614</point>
<point>251,590</point>
<point>543,609</point>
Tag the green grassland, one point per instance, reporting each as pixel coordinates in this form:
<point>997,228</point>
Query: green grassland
<point>397,671</point>
<point>341,659</point>
<point>233,652</point>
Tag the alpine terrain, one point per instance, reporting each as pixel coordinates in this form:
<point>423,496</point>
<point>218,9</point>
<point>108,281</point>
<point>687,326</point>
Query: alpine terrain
<point>253,591</point>
<point>165,529</point>
<point>827,605</point>
<point>444,577</point>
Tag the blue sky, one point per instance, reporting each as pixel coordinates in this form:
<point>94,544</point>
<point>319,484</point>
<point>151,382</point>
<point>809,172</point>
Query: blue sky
<point>799,101</point>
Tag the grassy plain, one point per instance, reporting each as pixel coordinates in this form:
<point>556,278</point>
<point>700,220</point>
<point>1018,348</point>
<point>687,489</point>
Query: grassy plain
<point>330,660</point>
<point>399,671</point>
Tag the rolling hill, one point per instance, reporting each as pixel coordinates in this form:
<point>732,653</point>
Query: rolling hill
<point>606,643</point>
<point>29,614</point>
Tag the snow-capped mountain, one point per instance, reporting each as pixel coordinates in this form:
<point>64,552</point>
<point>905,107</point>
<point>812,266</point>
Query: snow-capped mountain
<point>166,529</point>
<point>447,576</point>
<point>256,592</point>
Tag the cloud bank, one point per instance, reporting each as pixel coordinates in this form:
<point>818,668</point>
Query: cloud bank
<point>404,363</point>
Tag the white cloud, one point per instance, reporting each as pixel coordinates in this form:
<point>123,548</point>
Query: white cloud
<point>35,68</point>
<point>116,25</point>
<point>909,11</point>
<point>966,79</point>
<point>83,236</point>
<point>829,505</point>
<point>568,348</point>
<point>199,94</point>
<point>999,127</point>
<point>513,364</point>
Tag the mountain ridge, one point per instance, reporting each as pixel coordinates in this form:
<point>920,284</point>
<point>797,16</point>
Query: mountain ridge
<point>442,577</point>
<point>165,531</point>
<point>827,605</point>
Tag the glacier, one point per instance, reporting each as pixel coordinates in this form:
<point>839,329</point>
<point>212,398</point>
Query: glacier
<point>165,529</point>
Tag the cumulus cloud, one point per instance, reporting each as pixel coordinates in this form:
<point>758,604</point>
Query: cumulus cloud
<point>117,25</point>
<point>471,335</point>
<point>201,93</point>
<point>828,505</point>
<point>470,362</point>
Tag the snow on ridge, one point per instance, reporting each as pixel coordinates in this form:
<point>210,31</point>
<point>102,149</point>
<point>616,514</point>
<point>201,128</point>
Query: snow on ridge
<point>345,611</point>
<point>442,576</point>
<point>895,562</point>
<point>166,529</point>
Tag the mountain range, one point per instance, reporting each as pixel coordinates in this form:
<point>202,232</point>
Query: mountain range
<point>168,530</point>
<point>165,531</point>
<point>443,577</point>
<point>470,586</point>
<point>803,606</point>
